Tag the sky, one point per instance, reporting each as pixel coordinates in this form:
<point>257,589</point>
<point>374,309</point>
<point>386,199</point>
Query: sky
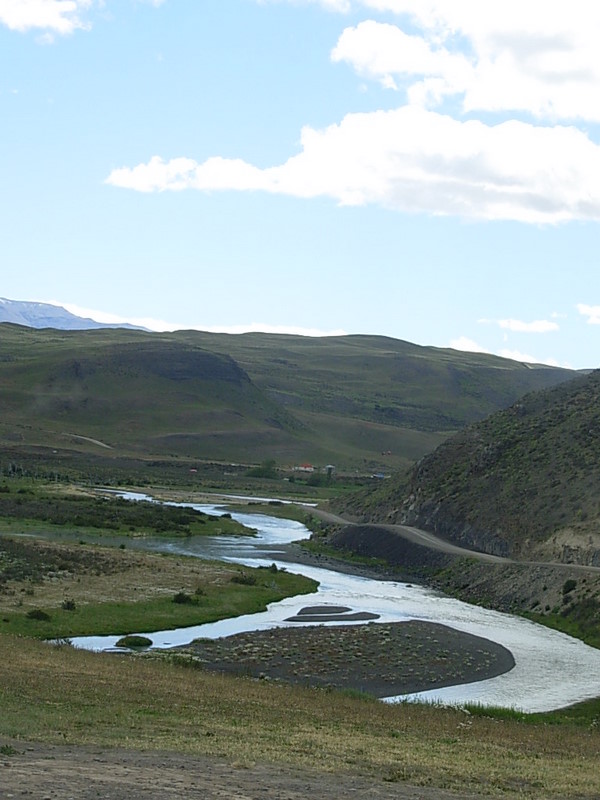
<point>427,170</point>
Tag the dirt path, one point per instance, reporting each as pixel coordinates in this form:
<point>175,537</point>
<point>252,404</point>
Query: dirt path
<point>46,772</point>
<point>421,537</point>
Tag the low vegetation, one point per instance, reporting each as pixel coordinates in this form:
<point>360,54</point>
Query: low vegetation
<point>66,695</point>
<point>30,505</point>
<point>53,590</point>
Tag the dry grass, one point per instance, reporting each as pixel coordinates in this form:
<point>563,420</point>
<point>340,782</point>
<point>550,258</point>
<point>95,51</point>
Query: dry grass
<point>93,574</point>
<point>61,694</point>
<point>85,589</point>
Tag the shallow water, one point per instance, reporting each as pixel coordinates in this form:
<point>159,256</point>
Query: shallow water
<point>551,670</point>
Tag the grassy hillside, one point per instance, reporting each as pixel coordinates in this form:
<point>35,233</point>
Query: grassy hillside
<point>525,481</point>
<point>376,378</point>
<point>361,402</point>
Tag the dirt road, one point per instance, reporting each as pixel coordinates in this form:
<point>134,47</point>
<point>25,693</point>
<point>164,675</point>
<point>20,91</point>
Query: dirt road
<point>417,536</point>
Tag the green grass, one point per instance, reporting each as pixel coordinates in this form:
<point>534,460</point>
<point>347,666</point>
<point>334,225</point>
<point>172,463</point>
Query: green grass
<point>360,402</point>
<point>582,715</point>
<point>314,545</point>
<point>65,695</point>
<point>31,506</point>
<point>582,621</point>
<point>162,613</point>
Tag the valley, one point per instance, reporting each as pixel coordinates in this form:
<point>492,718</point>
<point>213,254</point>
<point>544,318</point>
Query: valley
<point>190,414</point>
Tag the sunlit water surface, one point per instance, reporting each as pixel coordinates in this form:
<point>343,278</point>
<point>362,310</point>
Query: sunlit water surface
<point>551,670</point>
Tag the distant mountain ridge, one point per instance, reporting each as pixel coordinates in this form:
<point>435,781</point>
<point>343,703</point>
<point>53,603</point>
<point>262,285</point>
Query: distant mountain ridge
<point>46,315</point>
<point>364,403</point>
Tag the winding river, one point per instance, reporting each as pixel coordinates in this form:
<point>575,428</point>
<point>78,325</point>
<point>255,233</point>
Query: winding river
<point>551,670</point>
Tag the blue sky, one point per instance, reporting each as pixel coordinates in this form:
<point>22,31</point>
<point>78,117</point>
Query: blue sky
<point>422,169</point>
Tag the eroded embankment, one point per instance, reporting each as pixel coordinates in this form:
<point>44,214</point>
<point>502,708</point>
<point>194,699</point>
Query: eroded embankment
<point>570,591</point>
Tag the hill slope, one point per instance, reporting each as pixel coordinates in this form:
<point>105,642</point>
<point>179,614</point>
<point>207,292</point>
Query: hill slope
<point>524,482</point>
<point>360,402</point>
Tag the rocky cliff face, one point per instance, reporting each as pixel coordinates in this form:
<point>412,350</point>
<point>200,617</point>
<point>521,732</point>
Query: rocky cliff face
<point>431,516</point>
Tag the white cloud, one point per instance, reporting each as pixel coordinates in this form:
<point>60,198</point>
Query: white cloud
<point>511,56</point>
<point>410,159</point>
<point>591,312</point>
<point>158,325</point>
<point>467,345</point>
<point>538,326</point>
<point>525,358</point>
<point>538,57</point>
<point>382,51</point>
<point>56,16</point>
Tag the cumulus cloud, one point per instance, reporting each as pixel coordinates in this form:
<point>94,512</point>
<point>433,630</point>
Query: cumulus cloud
<point>411,159</point>
<point>384,52</point>
<point>503,57</point>
<point>537,326</point>
<point>536,58</point>
<point>56,16</point>
<point>591,312</point>
<point>467,345</point>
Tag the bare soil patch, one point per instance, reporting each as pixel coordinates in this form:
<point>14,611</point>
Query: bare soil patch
<point>89,773</point>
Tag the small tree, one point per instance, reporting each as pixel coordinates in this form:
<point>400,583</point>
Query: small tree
<point>267,469</point>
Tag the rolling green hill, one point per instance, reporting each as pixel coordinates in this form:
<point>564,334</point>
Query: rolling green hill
<point>524,482</point>
<point>361,402</point>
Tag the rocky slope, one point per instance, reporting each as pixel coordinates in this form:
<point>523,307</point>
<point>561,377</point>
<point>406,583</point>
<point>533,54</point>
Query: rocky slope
<point>523,483</point>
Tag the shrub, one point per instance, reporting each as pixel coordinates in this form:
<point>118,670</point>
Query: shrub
<point>182,598</point>
<point>569,585</point>
<point>244,578</point>
<point>68,605</point>
<point>134,641</point>
<point>37,613</point>
<point>268,469</point>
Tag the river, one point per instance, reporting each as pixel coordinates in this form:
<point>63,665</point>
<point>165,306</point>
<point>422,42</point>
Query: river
<point>551,670</point>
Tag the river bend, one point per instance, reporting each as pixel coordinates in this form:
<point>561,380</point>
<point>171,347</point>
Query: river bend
<point>551,669</point>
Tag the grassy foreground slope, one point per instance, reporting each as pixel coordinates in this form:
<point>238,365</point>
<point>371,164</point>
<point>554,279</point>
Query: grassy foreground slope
<point>66,695</point>
<point>360,402</point>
